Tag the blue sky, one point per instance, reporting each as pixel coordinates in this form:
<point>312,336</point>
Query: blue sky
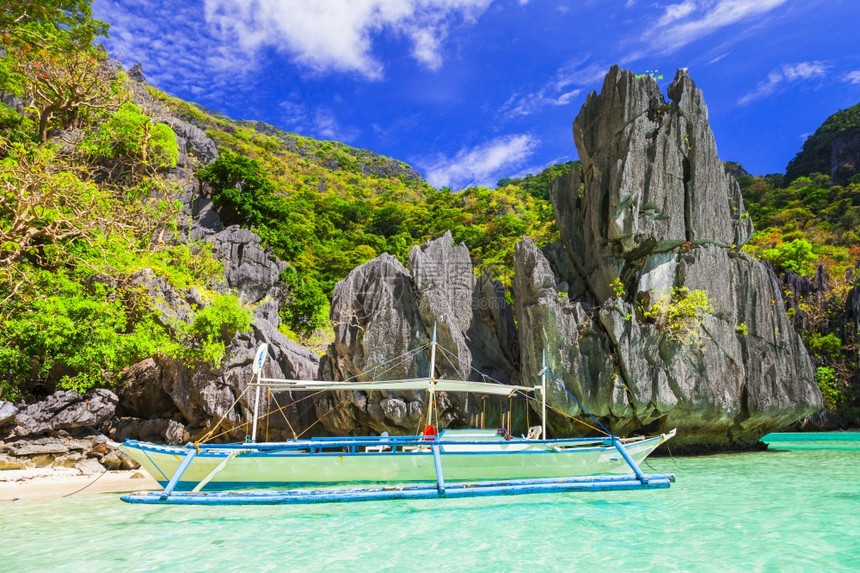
<point>470,91</point>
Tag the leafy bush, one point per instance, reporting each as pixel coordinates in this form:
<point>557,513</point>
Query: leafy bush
<point>212,326</point>
<point>824,345</point>
<point>796,256</point>
<point>679,315</point>
<point>72,335</point>
<point>132,135</point>
<point>829,385</point>
<point>304,307</point>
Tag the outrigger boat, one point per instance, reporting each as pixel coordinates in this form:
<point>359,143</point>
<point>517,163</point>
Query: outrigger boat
<point>454,463</point>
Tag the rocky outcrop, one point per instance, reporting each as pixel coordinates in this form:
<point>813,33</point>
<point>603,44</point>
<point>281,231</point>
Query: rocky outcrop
<point>383,311</point>
<point>656,213</point>
<point>248,269</point>
<point>63,430</point>
<point>66,410</point>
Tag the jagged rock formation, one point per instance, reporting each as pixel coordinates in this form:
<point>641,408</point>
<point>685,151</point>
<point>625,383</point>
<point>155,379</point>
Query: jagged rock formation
<point>383,310</point>
<point>61,430</point>
<point>654,208</point>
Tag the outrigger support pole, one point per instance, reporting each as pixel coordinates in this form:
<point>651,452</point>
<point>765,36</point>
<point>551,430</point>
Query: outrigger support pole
<point>543,435</point>
<point>432,376</point>
<point>437,462</point>
<point>630,461</point>
<point>257,367</point>
<point>186,461</point>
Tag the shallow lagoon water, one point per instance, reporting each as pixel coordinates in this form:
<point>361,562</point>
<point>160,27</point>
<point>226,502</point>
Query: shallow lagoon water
<point>795,507</point>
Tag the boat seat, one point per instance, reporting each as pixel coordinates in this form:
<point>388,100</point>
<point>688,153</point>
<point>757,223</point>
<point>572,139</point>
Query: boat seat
<point>384,447</point>
<point>534,433</point>
<point>379,448</point>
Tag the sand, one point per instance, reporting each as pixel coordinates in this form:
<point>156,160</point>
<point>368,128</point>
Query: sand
<point>17,486</point>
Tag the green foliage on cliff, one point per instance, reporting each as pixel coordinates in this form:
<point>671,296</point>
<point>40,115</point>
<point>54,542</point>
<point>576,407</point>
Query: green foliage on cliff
<point>679,315</point>
<point>807,225</point>
<point>130,135</point>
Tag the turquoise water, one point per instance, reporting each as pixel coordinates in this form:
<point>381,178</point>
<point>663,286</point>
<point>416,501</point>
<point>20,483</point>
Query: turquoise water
<point>794,508</point>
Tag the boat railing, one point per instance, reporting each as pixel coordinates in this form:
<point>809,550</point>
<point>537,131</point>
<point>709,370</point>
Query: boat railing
<point>389,444</point>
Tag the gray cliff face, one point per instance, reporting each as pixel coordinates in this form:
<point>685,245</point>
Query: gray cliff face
<point>383,310</point>
<point>654,209</point>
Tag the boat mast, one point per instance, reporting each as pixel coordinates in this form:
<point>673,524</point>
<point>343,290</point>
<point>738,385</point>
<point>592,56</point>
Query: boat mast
<point>543,394</point>
<point>257,368</point>
<point>432,376</point>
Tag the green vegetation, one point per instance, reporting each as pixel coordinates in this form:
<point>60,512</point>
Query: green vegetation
<point>830,387</point>
<point>131,136</point>
<point>679,315</point>
<point>617,287</point>
<point>326,221</point>
<point>81,225</point>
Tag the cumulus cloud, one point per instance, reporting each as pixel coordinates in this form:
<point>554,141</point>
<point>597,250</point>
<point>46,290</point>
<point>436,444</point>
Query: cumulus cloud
<point>690,20</point>
<point>338,36</point>
<point>788,73</point>
<point>480,165</point>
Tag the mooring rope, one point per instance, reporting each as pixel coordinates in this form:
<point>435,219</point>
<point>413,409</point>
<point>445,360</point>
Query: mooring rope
<point>100,476</point>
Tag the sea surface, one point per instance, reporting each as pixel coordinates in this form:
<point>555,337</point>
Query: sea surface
<point>795,507</point>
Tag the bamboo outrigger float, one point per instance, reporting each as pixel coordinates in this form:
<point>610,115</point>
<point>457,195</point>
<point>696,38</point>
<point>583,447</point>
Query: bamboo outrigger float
<point>455,463</point>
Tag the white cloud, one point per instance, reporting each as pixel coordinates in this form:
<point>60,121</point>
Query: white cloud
<point>853,77</point>
<point>567,83</point>
<point>788,73</point>
<point>691,20</point>
<point>481,165</point>
<point>326,36</point>
<point>675,12</point>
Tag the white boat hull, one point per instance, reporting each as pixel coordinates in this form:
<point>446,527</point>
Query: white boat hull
<point>306,462</point>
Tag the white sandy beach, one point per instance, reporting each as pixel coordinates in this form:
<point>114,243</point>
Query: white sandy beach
<point>53,483</point>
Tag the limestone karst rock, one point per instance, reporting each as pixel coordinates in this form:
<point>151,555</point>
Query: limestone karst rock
<point>383,310</point>
<point>652,211</point>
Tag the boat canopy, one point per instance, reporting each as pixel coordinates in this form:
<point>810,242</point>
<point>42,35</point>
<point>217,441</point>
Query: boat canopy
<point>435,385</point>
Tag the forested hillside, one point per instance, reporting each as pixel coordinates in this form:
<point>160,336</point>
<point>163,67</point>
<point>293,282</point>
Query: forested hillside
<point>89,212</point>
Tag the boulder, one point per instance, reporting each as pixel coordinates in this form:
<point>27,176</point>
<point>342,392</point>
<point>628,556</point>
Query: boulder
<point>656,212</point>
<point>66,409</point>
<point>142,394</point>
<point>194,145</point>
<point>8,411</point>
<point>158,430</point>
